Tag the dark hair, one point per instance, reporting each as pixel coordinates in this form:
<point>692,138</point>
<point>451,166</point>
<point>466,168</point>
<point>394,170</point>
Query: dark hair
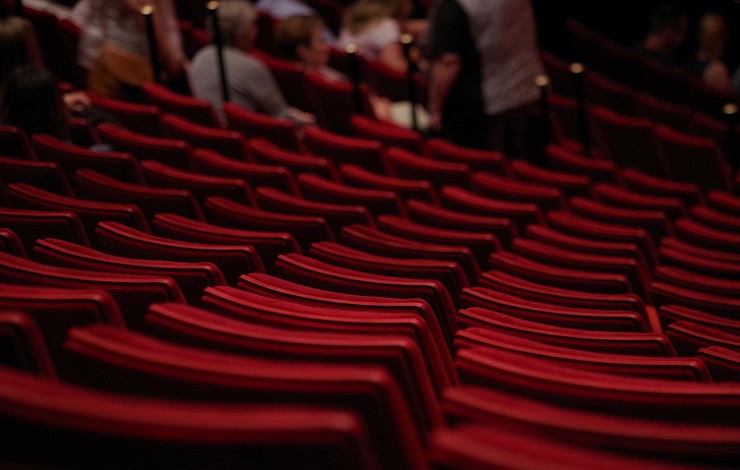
<point>30,98</point>
<point>667,14</point>
<point>294,31</point>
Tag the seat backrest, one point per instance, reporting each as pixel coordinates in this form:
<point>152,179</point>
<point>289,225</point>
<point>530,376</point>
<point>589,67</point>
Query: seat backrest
<point>31,224</point>
<point>43,175</point>
<point>280,131</point>
<point>334,102</point>
<point>366,153</point>
<point>53,423</point>
<point>189,107</point>
<point>174,152</point>
<point>136,117</point>
<point>224,141</point>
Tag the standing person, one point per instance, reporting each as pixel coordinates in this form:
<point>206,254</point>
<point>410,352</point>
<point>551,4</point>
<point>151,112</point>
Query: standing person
<point>669,27</point>
<point>708,62</point>
<point>484,59</point>
<point>250,82</point>
<point>114,45</point>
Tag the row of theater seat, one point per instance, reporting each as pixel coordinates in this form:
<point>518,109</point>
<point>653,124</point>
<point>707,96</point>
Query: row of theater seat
<point>385,301</point>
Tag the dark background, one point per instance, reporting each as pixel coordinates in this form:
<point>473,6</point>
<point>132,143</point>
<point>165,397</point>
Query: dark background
<point>626,22</point>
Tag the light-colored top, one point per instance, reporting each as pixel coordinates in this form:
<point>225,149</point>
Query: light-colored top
<point>280,9</point>
<point>119,23</point>
<point>250,82</point>
<point>373,39</point>
<point>505,35</point>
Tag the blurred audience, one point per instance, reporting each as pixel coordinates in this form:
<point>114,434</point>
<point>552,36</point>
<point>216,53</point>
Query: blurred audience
<point>250,82</point>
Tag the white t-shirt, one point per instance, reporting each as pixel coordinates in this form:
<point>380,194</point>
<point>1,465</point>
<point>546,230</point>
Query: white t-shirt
<point>373,39</point>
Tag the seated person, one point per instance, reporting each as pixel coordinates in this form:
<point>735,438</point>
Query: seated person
<point>669,26</point>
<point>31,99</point>
<point>250,83</point>
<point>299,39</point>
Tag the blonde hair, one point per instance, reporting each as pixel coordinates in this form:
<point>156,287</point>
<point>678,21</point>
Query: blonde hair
<point>364,12</point>
<point>235,20</point>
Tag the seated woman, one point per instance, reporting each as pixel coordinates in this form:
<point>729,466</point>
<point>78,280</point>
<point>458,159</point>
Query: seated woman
<point>31,99</point>
<point>299,39</point>
<point>375,28</point>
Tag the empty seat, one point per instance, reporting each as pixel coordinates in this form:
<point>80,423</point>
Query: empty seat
<point>305,229</point>
<point>92,185</point>
<point>334,102</point>
<point>632,436</point>
<point>627,141</point>
<point>476,159</point>
<point>669,294</point>
<point>500,187</point>
<point>363,152</point>
<point>54,423</point>
<point>336,214</point>
<point>478,446</point>
<point>254,174</point>
<point>279,131</point>
<point>89,212</point>
<point>637,397</point>
<point>119,165</point>
<point>263,327</point>
<point>224,141</point>
<point>157,174</point>
<point>405,188</point>
<point>566,160</point>
<point>688,337</point>
<point>553,314</point>
<point>389,134</point>
<point>263,151</point>
<point>377,201</point>
<point>44,175</point>
<point>723,363</point>
<point>642,182</point>
<point>447,272</point>
<point>464,200</point>
<point>616,195</point>
<point>173,152</point>
<point>715,218</point>
<point>720,269</point>
<point>482,244</point>
<point>569,184</point>
<point>505,283</point>
<point>382,243</point>
<point>405,164</point>
<point>28,225</point>
<point>22,346</point>
<point>15,143</point>
<point>269,244</point>
<point>430,214</point>
<point>352,312</point>
<point>305,270</point>
<point>675,115</point>
<point>673,312</point>
<point>189,107</point>
<point>10,243</point>
<point>577,225</point>
<point>232,260</point>
<point>191,277</point>
<point>136,117</point>
<point>133,292</point>
<point>566,278</point>
<point>693,159</point>
<point>56,309</point>
<point>706,236</point>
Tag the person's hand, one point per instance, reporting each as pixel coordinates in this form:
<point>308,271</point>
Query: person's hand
<point>301,118</point>
<point>76,101</point>
<point>435,121</point>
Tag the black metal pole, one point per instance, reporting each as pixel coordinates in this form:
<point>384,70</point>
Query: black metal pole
<point>407,40</point>
<point>543,83</point>
<point>577,70</point>
<point>147,11</point>
<point>730,112</point>
<point>354,71</point>
<point>213,8</point>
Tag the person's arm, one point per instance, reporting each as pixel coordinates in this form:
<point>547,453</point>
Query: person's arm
<point>442,75</point>
<point>392,56</point>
